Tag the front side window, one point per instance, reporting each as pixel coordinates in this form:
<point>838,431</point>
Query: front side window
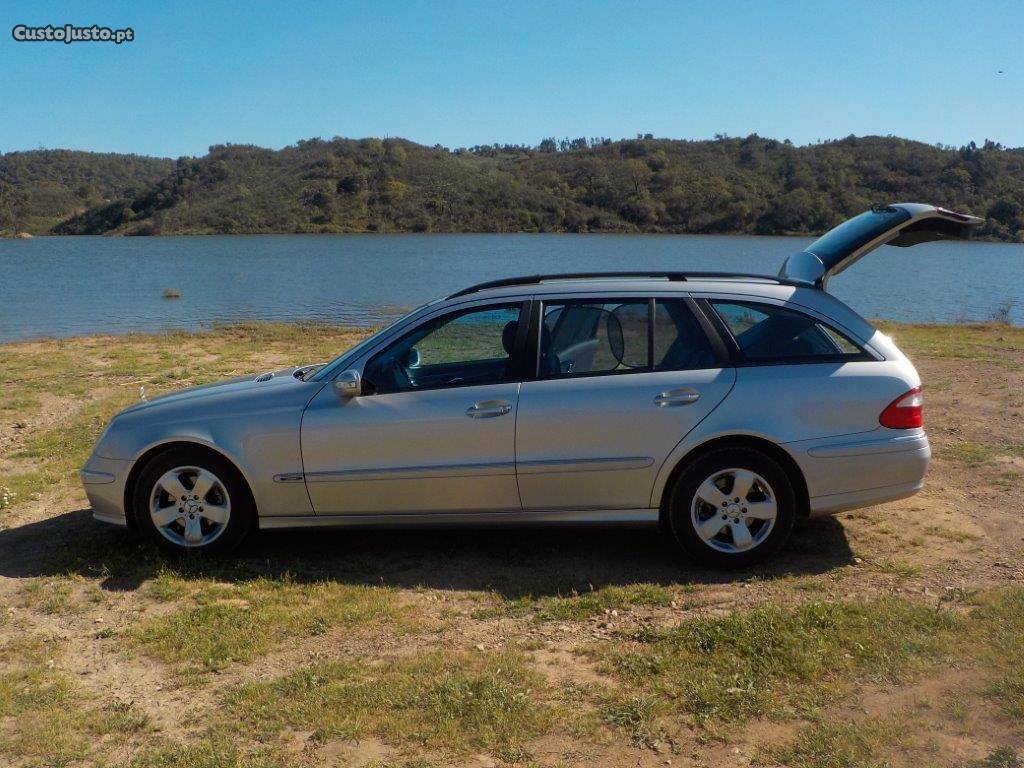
<point>471,347</point>
<point>765,332</point>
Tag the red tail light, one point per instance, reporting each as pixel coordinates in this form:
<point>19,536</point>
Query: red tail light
<point>904,412</point>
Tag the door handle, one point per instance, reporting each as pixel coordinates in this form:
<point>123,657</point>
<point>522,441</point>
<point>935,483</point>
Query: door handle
<point>488,409</point>
<point>674,397</point>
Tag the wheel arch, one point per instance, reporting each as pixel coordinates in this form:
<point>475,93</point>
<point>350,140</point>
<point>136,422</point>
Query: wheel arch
<point>779,454</point>
<point>143,459</point>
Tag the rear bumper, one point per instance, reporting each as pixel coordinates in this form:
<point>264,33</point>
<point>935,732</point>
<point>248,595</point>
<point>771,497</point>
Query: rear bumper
<point>104,480</point>
<point>858,471</point>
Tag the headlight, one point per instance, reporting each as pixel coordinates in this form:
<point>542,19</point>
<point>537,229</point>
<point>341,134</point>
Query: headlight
<point>106,446</point>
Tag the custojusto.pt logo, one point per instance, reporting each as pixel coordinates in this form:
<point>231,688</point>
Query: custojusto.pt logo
<point>71,33</point>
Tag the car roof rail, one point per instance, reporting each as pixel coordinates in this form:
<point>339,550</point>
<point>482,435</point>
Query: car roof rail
<point>654,274</point>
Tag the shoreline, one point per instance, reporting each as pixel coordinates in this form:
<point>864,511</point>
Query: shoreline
<point>518,232</point>
<point>317,328</point>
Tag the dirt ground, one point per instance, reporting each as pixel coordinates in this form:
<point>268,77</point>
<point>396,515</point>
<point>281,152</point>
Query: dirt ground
<point>103,662</point>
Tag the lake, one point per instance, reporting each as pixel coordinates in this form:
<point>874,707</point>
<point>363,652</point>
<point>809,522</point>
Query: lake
<point>64,286</point>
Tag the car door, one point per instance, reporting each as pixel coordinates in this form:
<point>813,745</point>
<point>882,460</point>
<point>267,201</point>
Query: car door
<point>620,382</point>
<point>434,428</point>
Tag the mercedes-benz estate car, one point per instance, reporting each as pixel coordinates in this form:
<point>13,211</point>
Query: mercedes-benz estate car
<point>722,407</point>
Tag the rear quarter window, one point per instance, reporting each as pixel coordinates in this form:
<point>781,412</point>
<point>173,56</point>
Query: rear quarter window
<point>765,333</point>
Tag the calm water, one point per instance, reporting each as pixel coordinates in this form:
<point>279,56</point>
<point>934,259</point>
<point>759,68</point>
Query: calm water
<point>61,286</point>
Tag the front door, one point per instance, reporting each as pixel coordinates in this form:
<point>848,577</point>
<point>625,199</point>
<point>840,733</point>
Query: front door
<point>434,431</point>
<point>614,395</point>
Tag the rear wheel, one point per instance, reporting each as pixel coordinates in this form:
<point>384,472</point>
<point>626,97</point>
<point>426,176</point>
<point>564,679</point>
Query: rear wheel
<point>190,500</point>
<point>731,508</point>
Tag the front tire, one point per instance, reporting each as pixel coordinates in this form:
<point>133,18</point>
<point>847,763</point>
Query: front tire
<point>191,500</point>
<point>732,508</point>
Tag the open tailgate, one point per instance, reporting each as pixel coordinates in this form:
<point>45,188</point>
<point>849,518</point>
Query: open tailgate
<point>900,224</point>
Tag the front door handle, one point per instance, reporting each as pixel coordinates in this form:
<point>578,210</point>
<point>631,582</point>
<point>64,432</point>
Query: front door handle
<point>674,397</point>
<point>488,409</point>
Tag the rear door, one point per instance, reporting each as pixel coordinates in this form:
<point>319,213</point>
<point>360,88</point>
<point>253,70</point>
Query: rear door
<point>620,381</point>
<point>900,224</point>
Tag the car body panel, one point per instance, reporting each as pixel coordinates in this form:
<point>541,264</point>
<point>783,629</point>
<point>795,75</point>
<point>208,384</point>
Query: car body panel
<point>106,497</point>
<point>597,442</point>
<point>410,451</point>
<point>254,424</point>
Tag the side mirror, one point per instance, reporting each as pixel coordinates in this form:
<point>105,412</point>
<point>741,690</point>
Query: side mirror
<point>349,384</point>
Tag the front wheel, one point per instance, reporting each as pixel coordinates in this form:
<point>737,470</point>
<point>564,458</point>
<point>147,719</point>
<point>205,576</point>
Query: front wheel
<point>732,508</point>
<point>188,500</point>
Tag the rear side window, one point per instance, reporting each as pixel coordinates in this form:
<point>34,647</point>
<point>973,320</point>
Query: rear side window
<point>581,337</point>
<point>605,336</point>
<point>679,341</point>
<point>765,332</point>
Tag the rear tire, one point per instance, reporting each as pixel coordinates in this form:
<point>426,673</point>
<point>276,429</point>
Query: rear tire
<point>731,508</point>
<point>189,500</point>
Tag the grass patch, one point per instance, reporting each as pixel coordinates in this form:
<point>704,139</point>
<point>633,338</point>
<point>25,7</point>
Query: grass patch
<point>212,752</point>
<point>638,714</point>
<point>236,622</point>
<point>778,663</point>
<point>1000,621</point>
<point>843,745</point>
<point>56,454</point>
<point>46,720</point>
<point>445,700</point>
<point>1010,480</point>
<point>580,606</point>
<point>973,454</point>
<point>1004,757</point>
<point>949,534</point>
<point>885,565</point>
<point>988,342</point>
<point>48,596</point>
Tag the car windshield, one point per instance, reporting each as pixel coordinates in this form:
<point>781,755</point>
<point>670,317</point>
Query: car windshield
<point>331,368</point>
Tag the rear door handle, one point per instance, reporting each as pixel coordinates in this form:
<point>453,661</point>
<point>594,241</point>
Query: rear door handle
<point>674,397</point>
<point>488,409</point>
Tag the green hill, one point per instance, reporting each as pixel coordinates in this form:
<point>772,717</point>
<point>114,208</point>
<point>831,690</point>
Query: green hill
<point>40,188</point>
<point>748,185</point>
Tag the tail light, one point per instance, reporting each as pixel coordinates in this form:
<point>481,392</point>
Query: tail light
<point>904,412</point>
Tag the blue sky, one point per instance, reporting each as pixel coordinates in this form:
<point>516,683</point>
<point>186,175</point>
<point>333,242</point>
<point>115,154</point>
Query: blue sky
<point>464,73</point>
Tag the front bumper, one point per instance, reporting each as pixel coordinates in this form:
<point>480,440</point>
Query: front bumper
<point>104,481</point>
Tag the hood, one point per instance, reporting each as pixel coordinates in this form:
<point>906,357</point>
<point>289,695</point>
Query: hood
<point>236,385</point>
<point>899,224</point>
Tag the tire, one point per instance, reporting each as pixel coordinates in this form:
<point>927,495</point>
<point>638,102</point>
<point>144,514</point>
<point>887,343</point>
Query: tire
<point>711,527</point>
<point>212,523</point>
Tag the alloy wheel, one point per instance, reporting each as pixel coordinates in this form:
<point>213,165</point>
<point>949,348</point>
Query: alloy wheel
<point>734,510</point>
<point>190,506</point>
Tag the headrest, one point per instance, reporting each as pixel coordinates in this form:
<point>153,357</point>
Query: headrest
<point>508,335</point>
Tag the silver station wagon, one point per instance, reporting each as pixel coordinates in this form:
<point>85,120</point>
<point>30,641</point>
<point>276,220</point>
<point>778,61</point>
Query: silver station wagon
<point>722,407</point>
